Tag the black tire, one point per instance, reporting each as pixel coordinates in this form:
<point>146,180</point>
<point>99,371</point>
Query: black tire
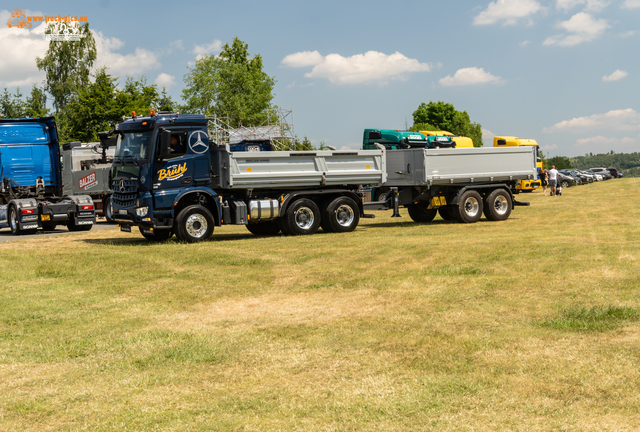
<point>565,184</point>
<point>420,213</point>
<point>72,226</point>
<point>379,194</point>
<point>194,224</point>
<point>106,207</point>
<point>49,225</point>
<point>301,218</point>
<point>341,215</point>
<point>469,209</point>
<point>14,225</point>
<point>157,235</point>
<point>446,213</point>
<point>497,205</point>
<point>269,228</point>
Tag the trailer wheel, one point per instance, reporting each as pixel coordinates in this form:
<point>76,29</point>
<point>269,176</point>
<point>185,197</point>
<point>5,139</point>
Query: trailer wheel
<point>194,224</point>
<point>49,226</point>
<point>269,228</point>
<point>157,235</point>
<point>72,226</point>
<point>421,213</point>
<point>497,205</point>
<point>302,217</point>
<point>341,215</point>
<point>469,207</point>
<point>446,213</point>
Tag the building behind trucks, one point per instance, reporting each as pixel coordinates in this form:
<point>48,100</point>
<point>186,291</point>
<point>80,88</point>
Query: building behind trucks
<point>31,195</point>
<point>86,168</point>
<point>295,192</point>
<point>510,141</point>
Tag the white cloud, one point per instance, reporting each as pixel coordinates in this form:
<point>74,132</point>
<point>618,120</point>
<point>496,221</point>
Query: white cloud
<point>165,80</point>
<point>631,4</point>
<point>469,76</point>
<point>19,48</point>
<point>369,67</point>
<point>627,34</point>
<point>617,75</point>
<point>302,59</point>
<point>177,44</point>
<point>524,43</point>
<point>213,47</point>
<point>487,137</point>
<point>589,5</point>
<point>620,120</point>
<point>582,27</point>
<point>139,62</point>
<point>507,11</point>
<point>603,141</point>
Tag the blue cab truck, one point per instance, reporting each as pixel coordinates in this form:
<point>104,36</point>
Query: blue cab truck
<point>168,178</point>
<point>31,190</point>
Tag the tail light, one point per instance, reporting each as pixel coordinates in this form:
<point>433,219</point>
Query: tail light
<point>27,211</point>
<point>87,207</point>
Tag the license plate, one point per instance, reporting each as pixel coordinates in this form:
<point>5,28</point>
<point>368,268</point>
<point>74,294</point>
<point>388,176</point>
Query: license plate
<point>125,228</point>
<point>122,211</point>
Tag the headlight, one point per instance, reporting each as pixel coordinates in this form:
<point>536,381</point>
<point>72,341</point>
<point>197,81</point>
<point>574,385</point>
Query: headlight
<point>142,211</point>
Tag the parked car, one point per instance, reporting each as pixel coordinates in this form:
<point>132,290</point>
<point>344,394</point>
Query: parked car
<point>565,180</point>
<point>580,178</point>
<point>614,172</point>
<point>591,177</point>
<point>606,175</point>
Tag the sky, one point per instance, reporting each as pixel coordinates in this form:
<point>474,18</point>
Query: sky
<point>563,72</point>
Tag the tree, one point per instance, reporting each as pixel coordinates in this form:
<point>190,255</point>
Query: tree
<point>101,104</point>
<point>67,65</point>
<point>444,116</point>
<point>230,85</point>
<point>165,103</point>
<point>36,105</point>
<point>560,162</point>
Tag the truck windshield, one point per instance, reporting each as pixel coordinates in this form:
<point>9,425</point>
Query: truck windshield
<point>133,146</point>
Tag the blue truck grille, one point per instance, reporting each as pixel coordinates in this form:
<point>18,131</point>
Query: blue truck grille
<point>124,193</point>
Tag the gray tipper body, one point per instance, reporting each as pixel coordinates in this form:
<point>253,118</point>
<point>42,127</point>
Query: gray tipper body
<point>296,169</point>
<point>426,167</point>
<point>93,178</point>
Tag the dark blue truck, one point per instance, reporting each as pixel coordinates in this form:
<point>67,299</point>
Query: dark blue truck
<point>31,189</point>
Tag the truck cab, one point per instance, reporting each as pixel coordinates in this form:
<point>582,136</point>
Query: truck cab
<point>398,140</point>
<point>160,167</point>
<point>512,141</point>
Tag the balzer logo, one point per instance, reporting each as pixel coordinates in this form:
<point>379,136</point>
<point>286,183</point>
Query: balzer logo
<point>87,181</point>
<point>172,172</point>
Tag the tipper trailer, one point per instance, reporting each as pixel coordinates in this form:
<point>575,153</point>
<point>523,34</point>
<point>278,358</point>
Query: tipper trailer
<point>188,192</point>
<point>31,194</point>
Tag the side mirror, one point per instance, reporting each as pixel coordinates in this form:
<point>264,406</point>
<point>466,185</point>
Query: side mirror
<point>165,144</point>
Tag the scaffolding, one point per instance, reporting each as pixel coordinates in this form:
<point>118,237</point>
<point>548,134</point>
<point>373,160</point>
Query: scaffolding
<point>277,129</point>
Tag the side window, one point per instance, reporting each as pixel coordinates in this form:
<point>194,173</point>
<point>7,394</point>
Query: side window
<point>178,144</point>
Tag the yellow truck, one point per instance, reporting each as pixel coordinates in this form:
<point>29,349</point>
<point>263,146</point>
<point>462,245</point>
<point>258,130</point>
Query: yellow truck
<point>460,140</point>
<point>511,141</point>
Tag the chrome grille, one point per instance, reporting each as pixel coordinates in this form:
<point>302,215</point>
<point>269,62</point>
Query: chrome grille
<point>124,193</point>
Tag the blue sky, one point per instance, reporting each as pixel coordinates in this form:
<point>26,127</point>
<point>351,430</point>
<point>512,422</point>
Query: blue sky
<point>564,72</point>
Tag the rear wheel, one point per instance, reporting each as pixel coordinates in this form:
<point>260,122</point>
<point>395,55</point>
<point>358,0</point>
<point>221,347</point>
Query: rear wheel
<point>157,235</point>
<point>106,207</point>
<point>14,223</point>
<point>301,218</point>
<point>341,215</point>
<point>421,213</point>
<point>268,228</point>
<point>497,205</point>
<point>446,213</point>
<point>565,184</point>
<point>469,208</point>
<point>194,224</point>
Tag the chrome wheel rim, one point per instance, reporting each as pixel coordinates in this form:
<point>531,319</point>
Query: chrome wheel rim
<point>196,225</point>
<point>471,206</point>
<point>501,205</point>
<point>14,222</point>
<point>345,215</point>
<point>304,218</point>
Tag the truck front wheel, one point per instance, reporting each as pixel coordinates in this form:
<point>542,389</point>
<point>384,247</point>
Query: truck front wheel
<point>194,224</point>
<point>157,235</point>
<point>341,215</point>
<point>421,213</point>
<point>469,207</point>
<point>302,217</point>
<point>497,205</point>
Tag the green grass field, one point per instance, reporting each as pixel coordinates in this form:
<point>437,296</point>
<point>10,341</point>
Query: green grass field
<point>531,324</point>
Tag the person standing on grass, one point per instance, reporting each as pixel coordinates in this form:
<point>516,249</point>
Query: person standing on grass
<point>553,179</point>
<point>544,180</point>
